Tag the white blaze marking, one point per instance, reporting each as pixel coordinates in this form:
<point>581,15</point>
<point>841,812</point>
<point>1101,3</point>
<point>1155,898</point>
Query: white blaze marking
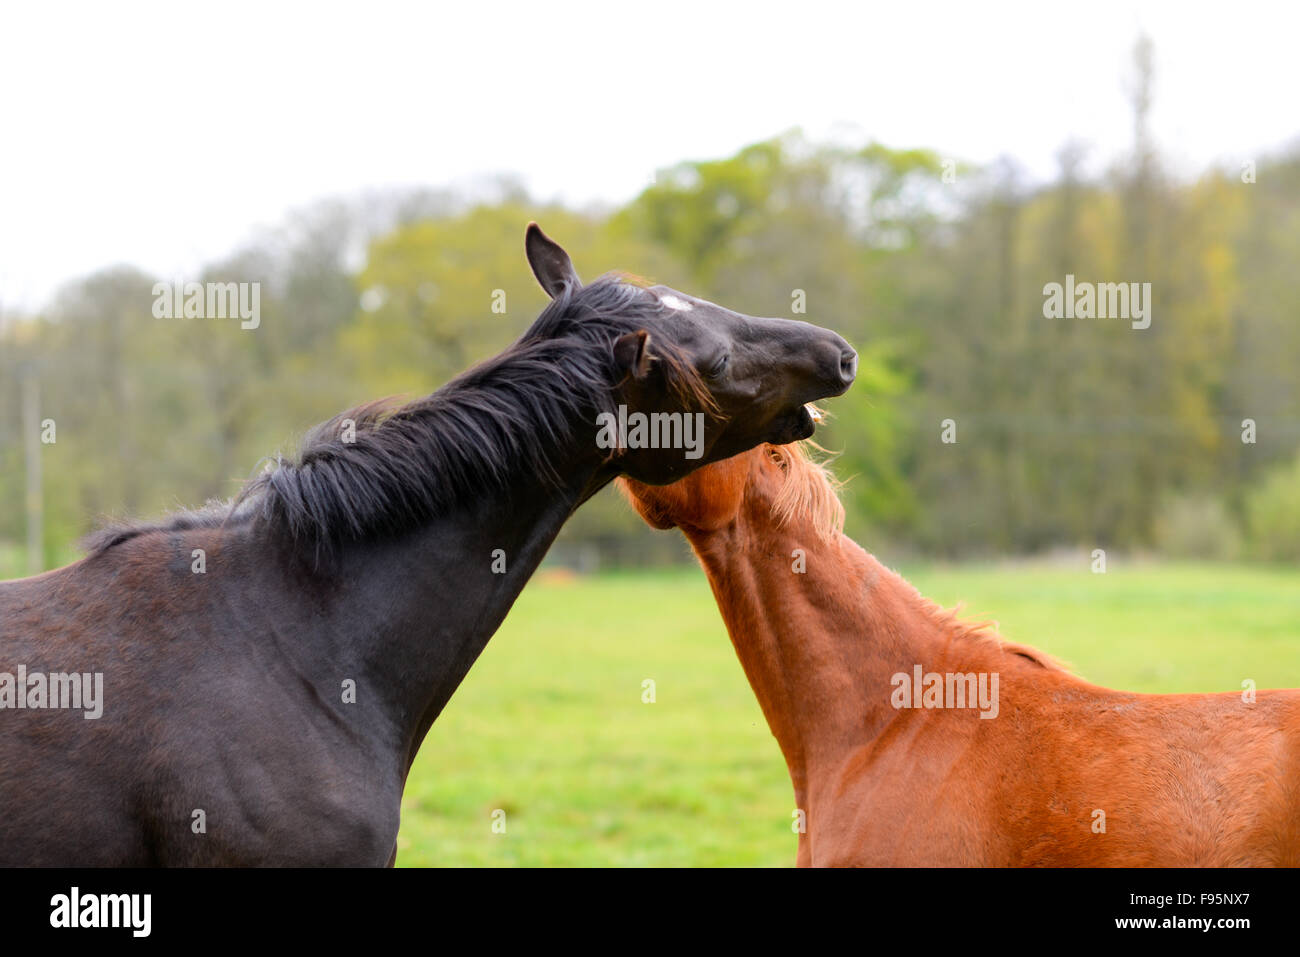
<point>672,302</point>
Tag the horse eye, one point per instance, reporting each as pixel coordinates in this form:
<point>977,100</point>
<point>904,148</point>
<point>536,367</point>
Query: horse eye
<point>719,367</point>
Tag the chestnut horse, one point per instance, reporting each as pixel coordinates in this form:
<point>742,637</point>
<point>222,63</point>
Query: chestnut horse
<point>914,738</point>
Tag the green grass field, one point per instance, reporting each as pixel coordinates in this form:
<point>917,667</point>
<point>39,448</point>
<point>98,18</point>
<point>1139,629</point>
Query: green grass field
<point>549,727</point>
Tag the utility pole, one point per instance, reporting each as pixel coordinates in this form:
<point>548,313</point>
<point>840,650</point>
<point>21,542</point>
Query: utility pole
<point>31,386</point>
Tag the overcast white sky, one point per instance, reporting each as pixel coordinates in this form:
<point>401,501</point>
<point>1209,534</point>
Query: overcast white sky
<point>163,135</point>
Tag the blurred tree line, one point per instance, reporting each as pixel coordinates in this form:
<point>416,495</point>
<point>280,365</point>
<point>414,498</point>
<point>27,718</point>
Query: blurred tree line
<point>1074,432</point>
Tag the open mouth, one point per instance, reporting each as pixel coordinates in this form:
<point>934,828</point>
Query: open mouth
<point>796,425</point>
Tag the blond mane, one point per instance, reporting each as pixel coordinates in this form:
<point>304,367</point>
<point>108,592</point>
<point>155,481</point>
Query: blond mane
<point>811,490</point>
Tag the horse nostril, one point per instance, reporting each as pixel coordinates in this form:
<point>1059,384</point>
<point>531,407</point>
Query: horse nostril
<point>848,366</point>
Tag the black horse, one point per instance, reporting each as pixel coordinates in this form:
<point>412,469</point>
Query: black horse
<point>270,667</point>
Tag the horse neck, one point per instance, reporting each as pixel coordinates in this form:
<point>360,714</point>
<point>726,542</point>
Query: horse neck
<point>819,647</point>
<point>422,607</point>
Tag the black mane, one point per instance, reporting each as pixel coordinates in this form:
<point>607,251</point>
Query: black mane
<point>516,413</point>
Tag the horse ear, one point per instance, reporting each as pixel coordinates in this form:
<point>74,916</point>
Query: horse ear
<point>632,353</point>
<point>551,264</point>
